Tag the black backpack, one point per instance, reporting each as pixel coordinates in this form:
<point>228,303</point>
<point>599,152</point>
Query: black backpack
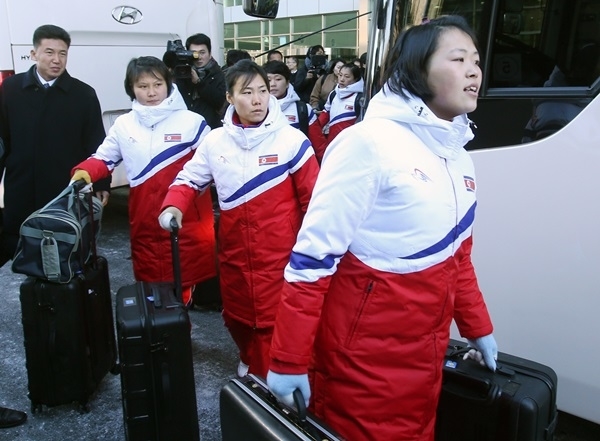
<point>302,116</point>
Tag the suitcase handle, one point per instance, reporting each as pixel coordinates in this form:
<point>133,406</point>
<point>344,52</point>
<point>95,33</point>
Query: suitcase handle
<point>176,260</point>
<point>475,389</point>
<point>300,406</point>
<point>302,415</point>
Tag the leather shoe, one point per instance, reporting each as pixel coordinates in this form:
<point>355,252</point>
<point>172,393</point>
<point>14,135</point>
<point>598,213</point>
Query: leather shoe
<point>11,418</point>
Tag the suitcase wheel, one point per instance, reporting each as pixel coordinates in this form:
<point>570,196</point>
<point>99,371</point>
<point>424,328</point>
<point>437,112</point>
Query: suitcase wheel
<point>84,408</point>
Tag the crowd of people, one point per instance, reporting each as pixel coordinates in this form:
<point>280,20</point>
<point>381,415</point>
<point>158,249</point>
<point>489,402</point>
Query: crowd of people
<point>344,247</point>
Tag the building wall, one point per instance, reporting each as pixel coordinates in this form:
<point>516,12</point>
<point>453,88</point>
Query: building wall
<point>298,19</point>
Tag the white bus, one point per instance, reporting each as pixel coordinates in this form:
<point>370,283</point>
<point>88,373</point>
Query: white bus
<point>537,158</point>
<point>105,36</point>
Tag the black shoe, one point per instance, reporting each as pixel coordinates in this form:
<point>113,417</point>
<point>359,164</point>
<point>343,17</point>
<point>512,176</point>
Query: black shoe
<point>11,418</point>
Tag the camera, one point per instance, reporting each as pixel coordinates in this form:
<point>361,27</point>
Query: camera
<point>179,59</point>
<point>318,64</point>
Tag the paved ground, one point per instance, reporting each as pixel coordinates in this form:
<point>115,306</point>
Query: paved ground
<point>215,361</point>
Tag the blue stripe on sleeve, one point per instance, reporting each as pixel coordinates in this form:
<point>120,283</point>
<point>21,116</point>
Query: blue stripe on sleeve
<point>303,262</point>
<point>113,164</point>
<point>462,226</point>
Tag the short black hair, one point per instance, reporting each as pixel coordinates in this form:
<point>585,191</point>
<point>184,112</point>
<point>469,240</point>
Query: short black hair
<point>333,62</point>
<point>146,65</point>
<point>278,68</point>
<point>198,39</point>
<point>51,32</point>
<point>246,70</point>
<point>407,62</point>
<point>363,58</point>
<point>354,69</point>
<point>314,49</point>
<point>274,52</point>
<point>235,55</point>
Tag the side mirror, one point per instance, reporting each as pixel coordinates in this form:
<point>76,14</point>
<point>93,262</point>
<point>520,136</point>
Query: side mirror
<point>261,8</point>
<point>512,23</point>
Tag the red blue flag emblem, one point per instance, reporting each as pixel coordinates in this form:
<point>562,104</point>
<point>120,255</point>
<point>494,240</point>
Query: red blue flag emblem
<point>268,160</point>
<point>469,183</point>
<point>172,137</point>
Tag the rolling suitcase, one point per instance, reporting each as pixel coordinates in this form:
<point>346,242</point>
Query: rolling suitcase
<point>69,335</point>
<point>515,403</point>
<point>250,412</point>
<point>155,354</point>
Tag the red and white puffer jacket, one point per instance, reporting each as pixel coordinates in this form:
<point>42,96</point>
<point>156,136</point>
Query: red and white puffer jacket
<point>264,176</point>
<point>153,143</point>
<point>338,114</point>
<point>381,266</point>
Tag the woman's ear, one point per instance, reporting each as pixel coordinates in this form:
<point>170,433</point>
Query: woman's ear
<point>229,98</point>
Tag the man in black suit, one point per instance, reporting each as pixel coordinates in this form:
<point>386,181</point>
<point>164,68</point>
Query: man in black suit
<point>49,122</point>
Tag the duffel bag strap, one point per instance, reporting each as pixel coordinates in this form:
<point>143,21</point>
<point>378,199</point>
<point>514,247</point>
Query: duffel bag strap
<point>50,257</point>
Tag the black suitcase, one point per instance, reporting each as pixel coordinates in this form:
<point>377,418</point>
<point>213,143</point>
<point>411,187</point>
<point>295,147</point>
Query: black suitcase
<point>250,412</point>
<point>515,403</point>
<point>155,354</point>
<point>69,335</point>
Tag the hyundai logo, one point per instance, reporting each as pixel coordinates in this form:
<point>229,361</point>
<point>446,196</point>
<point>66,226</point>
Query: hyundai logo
<point>127,15</point>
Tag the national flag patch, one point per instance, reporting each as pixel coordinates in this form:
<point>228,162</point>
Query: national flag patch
<point>268,160</point>
<point>172,137</point>
<point>469,183</point>
<point>349,107</point>
<point>291,118</point>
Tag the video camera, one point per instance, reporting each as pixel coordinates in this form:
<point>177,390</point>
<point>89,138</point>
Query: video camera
<point>179,60</point>
<point>318,64</point>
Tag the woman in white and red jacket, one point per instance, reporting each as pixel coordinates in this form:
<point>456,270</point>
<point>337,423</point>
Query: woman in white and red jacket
<point>153,142</point>
<point>340,109</point>
<point>264,171</point>
<point>382,263</point>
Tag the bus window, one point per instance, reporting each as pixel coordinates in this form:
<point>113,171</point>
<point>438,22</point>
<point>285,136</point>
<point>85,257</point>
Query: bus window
<point>539,58</point>
<point>541,61</point>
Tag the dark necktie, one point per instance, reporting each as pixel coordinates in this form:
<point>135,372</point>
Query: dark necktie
<point>46,85</point>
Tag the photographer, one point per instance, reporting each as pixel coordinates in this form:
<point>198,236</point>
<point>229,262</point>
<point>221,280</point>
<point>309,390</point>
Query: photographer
<point>315,65</point>
<point>204,89</point>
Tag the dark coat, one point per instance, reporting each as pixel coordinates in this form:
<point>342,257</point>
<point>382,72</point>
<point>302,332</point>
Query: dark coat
<point>46,132</point>
<point>207,97</point>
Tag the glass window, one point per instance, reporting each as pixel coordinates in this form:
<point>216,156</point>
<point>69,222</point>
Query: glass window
<point>280,26</point>
<point>249,44</point>
<point>333,19</point>
<point>308,24</point>
<point>249,29</point>
<point>229,30</point>
<point>340,39</point>
<point>278,40</point>
<point>308,41</point>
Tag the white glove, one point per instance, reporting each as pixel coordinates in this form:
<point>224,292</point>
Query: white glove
<point>169,213</point>
<point>283,387</point>
<point>485,351</point>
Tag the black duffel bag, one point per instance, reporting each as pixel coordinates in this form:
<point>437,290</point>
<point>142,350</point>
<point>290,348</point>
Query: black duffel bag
<point>56,241</point>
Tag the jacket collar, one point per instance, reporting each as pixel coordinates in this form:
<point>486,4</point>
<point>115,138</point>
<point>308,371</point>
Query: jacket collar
<point>30,79</point>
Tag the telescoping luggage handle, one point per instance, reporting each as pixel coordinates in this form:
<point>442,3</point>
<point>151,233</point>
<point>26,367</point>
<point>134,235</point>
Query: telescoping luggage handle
<point>176,260</point>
